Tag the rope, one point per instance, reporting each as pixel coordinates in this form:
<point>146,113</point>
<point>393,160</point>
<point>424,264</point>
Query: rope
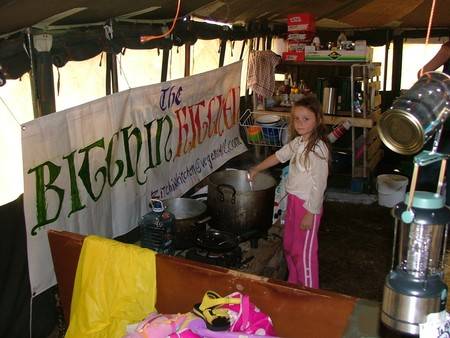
<point>10,112</point>
<point>430,21</point>
<point>146,38</point>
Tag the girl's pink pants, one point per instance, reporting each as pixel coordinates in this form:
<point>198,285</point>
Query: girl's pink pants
<point>301,246</point>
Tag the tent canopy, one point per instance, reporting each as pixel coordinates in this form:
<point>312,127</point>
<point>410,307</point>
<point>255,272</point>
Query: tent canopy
<point>18,14</point>
<point>78,32</point>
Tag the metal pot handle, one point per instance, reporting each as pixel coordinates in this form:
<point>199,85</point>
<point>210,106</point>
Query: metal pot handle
<point>220,189</point>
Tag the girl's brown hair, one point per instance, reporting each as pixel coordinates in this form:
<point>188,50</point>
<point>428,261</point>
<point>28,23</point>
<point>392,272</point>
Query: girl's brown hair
<point>311,103</point>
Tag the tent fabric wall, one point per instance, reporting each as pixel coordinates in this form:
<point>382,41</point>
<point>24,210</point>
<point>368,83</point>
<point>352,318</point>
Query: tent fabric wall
<point>14,284</point>
<point>15,291</point>
<point>84,43</point>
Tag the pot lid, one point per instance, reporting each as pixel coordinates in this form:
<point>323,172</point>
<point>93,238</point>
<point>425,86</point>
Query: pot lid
<point>185,208</point>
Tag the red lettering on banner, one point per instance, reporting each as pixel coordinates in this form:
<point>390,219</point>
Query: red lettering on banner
<point>233,109</point>
<point>183,126</point>
<point>195,123</point>
<point>212,125</point>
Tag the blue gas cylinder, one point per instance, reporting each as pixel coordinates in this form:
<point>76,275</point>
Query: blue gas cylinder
<point>156,228</point>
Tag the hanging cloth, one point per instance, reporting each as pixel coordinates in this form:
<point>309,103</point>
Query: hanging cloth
<point>115,285</point>
<point>261,72</point>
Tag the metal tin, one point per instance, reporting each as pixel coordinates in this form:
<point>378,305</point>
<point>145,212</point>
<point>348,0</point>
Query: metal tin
<point>329,100</point>
<point>416,115</point>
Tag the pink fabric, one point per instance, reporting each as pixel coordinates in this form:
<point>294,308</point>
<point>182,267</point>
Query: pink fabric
<point>301,246</point>
<point>157,325</point>
<point>247,321</point>
<point>247,318</point>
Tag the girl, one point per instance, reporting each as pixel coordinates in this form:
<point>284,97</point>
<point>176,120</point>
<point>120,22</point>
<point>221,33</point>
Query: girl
<point>309,155</point>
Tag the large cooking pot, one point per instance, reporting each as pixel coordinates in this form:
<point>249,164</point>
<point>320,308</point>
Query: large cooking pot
<point>237,207</point>
<point>189,220</point>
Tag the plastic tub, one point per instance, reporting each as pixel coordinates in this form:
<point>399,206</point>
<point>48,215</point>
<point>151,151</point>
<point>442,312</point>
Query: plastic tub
<point>391,189</point>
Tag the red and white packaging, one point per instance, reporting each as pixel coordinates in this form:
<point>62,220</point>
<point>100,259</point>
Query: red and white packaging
<point>298,56</point>
<point>303,37</point>
<point>301,22</point>
<point>295,46</point>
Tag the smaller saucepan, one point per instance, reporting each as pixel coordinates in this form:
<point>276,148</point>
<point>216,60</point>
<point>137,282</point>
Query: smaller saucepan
<point>190,218</point>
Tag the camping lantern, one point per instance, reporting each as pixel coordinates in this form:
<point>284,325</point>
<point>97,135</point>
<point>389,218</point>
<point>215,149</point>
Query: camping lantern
<point>414,287</point>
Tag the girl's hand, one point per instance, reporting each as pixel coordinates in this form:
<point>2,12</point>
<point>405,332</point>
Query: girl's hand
<point>307,221</point>
<point>252,173</point>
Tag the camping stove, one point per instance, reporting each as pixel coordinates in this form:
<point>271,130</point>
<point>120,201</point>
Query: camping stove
<point>229,259</point>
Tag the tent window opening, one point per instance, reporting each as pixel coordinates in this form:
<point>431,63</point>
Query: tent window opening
<point>176,63</point>
<point>16,107</point>
<point>80,82</point>
<point>379,56</point>
<point>232,54</point>
<point>138,68</point>
<point>204,56</point>
<point>415,55</point>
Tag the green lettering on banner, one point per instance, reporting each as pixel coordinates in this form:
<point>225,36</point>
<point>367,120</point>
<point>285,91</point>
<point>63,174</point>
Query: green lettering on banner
<point>84,172</point>
<point>119,163</point>
<point>74,192</point>
<point>126,139</point>
<point>41,188</point>
<point>159,135</point>
<point>154,150</point>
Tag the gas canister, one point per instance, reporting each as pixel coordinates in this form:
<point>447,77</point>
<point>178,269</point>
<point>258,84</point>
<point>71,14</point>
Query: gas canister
<point>156,228</point>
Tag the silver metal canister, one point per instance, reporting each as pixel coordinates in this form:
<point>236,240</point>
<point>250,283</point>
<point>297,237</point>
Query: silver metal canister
<point>329,100</point>
<point>417,114</point>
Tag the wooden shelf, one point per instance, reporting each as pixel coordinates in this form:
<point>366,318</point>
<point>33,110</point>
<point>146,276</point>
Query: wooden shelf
<point>328,119</point>
<point>324,63</point>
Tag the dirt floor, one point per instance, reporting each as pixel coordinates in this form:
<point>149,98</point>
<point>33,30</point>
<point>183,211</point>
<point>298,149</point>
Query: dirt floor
<point>355,248</point>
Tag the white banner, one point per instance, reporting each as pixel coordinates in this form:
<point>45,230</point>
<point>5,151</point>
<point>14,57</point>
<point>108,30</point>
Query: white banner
<point>92,169</point>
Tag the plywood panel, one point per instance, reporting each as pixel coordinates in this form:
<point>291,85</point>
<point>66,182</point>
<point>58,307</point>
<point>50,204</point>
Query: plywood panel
<point>295,311</point>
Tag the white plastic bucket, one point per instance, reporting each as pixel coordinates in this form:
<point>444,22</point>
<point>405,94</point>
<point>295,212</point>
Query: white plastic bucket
<point>391,189</point>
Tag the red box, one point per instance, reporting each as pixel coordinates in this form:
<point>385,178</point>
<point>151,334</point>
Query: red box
<point>298,56</point>
<point>301,22</point>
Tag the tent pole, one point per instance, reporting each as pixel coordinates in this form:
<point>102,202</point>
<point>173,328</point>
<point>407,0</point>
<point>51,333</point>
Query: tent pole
<point>187,59</point>
<point>165,64</point>
<point>386,58</point>
<point>397,65</point>
<point>34,93</point>
<point>41,77</point>
<point>108,73</point>
<point>223,47</point>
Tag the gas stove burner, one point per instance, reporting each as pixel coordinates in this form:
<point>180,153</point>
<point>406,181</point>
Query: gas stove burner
<point>228,259</point>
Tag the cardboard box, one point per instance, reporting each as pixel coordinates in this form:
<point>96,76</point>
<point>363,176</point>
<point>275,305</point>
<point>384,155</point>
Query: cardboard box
<point>295,46</point>
<point>340,55</point>
<point>298,56</point>
<point>301,22</point>
<point>305,37</point>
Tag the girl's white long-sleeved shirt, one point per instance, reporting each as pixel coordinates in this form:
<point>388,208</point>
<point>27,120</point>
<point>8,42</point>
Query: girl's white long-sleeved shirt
<point>307,183</point>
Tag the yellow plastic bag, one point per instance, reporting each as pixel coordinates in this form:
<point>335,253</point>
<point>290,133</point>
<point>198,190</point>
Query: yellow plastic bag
<point>115,285</point>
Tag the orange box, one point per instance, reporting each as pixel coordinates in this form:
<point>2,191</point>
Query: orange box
<point>298,56</point>
<point>301,22</point>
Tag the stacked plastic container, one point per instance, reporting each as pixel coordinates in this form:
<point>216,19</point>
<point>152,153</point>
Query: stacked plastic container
<point>301,29</point>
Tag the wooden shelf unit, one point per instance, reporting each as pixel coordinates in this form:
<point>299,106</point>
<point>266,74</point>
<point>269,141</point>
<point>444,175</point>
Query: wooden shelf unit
<point>364,123</point>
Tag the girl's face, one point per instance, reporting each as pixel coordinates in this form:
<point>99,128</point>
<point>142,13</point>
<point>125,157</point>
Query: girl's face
<point>305,121</point>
